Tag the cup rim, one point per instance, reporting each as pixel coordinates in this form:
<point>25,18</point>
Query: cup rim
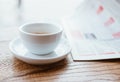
<point>22,31</point>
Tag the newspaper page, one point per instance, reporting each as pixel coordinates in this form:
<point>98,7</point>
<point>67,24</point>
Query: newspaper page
<point>94,30</point>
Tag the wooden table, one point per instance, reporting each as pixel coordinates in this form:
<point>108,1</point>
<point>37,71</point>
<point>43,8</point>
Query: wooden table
<point>14,70</point>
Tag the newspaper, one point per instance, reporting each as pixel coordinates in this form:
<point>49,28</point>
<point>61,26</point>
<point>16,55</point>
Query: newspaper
<point>94,30</point>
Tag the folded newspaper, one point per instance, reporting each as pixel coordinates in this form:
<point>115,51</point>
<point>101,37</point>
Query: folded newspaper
<point>94,30</point>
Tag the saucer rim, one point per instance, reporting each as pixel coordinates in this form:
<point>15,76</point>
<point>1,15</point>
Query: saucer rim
<point>17,54</point>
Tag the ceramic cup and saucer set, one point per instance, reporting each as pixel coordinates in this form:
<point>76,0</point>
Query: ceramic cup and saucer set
<point>40,43</point>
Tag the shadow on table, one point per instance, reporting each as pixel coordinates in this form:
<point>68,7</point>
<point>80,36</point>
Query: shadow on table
<point>117,60</point>
<point>23,69</point>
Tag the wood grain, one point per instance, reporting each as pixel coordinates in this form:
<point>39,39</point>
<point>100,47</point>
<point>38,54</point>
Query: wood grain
<point>14,70</point>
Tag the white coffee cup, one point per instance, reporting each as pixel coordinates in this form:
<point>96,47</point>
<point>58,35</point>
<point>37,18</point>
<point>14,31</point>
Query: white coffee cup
<point>40,38</point>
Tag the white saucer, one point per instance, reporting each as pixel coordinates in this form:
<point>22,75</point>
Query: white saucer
<point>20,52</point>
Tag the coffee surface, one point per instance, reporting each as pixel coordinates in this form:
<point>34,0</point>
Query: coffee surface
<point>40,33</point>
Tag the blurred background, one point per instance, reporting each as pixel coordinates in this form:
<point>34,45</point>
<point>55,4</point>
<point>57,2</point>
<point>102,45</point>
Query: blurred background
<point>16,12</point>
